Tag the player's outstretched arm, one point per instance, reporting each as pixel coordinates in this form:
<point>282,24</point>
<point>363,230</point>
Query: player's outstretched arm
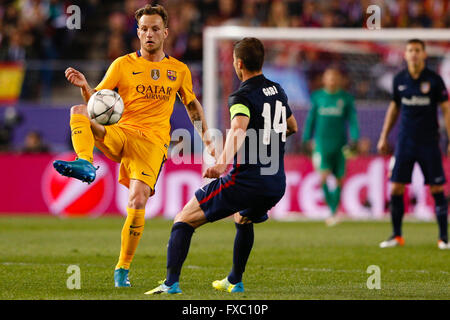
<point>78,79</point>
<point>196,114</point>
<point>235,138</point>
<point>445,107</point>
<point>389,122</point>
<point>291,126</point>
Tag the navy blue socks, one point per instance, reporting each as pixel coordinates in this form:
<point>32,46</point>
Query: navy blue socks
<point>441,206</point>
<point>243,243</point>
<point>397,211</point>
<point>177,250</point>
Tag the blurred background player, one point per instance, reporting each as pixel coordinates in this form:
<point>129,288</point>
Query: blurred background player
<point>247,192</point>
<point>148,81</point>
<point>34,143</point>
<point>417,92</point>
<point>332,109</point>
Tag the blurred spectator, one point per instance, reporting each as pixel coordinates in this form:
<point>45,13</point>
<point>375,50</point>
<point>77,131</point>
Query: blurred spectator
<point>36,28</point>
<point>364,146</point>
<point>310,16</point>
<point>278,15</point>
<point>116,35</point>
<point>15,50</point>
<point>249,16</point>
<point>34,144</point>
<point>11,119</point>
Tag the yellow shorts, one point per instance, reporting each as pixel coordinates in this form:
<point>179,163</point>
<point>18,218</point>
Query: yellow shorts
<point>139,158</point>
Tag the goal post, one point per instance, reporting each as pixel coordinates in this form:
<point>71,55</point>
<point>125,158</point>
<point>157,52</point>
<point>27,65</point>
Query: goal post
<point>212,36</point>
<point>296,58</point>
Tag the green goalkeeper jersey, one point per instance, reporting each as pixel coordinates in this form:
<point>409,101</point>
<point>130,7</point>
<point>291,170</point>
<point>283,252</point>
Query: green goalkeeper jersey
<point>328,119</point>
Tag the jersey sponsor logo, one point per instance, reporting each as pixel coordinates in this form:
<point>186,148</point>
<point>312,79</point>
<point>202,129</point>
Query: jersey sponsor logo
<point>425,87</point>
<point>171,75</point>
<point>134,73</point>
<point>155,74</point>
<point>331,111</point>
<point>154,92</point>
<point>416,101</point>
<point>270,91</point>
<point>401,87</point>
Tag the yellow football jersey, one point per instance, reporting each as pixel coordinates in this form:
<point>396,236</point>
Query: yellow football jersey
<point>149,90</point>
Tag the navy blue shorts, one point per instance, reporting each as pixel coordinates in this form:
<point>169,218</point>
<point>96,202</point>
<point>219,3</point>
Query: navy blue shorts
<point>429,158</point>
<point>224,197</point>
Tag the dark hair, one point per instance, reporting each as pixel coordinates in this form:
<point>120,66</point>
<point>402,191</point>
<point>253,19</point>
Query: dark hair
<point>334,68</point>
<point>251,52</point>
<point>150,10</point>
<point>417,41</point>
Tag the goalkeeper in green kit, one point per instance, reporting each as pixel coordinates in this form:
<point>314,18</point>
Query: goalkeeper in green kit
<point>332,112</point>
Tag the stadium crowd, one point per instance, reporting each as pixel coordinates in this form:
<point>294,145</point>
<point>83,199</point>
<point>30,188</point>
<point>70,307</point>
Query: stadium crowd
<point>36,29</point>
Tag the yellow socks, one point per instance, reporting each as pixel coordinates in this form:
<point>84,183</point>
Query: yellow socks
<point>82,136</point>
<point>131,234</point>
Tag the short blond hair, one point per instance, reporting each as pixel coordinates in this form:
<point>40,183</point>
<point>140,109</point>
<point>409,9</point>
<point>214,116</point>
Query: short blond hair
<point>150,10</point>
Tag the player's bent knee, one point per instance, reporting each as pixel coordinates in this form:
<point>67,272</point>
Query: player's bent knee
<point>183,216</point>
<point>195,218</point>
<point>436,188</point>
<point>137,201</point>
<point>136,204</point>
<point>79,109</point>
<point>397,189</point>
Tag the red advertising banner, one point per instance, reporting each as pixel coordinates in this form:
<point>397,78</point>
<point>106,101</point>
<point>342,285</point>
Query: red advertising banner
<point>30,185</point>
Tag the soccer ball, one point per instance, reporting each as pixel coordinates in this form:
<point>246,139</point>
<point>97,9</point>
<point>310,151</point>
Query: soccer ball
<point>105,107</point>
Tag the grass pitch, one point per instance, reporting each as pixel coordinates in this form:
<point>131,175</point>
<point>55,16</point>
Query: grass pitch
<point>290,260</point>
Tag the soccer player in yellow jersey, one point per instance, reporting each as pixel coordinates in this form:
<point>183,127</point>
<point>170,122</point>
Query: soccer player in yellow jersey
<point>148,81</point>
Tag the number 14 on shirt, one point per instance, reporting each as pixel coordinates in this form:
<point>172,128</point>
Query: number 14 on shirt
<point>279,121</point>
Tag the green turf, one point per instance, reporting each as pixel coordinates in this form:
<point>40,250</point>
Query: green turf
<point>290,260</point>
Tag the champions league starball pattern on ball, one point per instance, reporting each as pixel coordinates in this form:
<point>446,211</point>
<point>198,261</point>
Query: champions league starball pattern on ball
<point>105,107</point>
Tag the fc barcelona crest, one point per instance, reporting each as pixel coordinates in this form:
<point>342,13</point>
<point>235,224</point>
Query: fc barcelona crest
<point>155,74</point>
<point>172,75</point>
<point>425,87</point>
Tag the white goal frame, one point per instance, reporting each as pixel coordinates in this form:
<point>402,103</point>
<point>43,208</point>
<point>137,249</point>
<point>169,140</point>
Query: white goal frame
<point>211,36</point>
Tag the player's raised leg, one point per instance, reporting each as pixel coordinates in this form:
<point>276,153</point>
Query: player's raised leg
<point>185,222</point>
<point>397,211</point>
<point>82,133</point>
<point>441,210</point>
<point>132,230</point>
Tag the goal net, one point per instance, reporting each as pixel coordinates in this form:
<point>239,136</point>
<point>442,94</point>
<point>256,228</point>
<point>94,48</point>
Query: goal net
<point>296,58</point>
